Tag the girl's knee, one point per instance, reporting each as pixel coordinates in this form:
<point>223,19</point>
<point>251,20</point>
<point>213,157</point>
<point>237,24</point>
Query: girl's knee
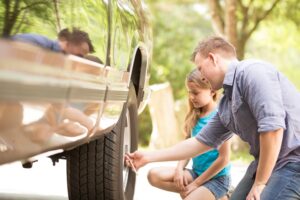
<point>153,176</point>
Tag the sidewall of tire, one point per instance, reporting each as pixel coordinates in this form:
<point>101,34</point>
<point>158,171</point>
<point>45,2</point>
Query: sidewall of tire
<point>95,169</point>
<point>129,191</point>
<point>117,173</point>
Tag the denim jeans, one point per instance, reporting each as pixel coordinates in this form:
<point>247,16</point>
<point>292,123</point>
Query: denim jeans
<point>284,184</point>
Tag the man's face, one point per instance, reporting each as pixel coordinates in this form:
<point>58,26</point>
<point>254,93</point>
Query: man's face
<point>80,50</point>
<point>210,70</point>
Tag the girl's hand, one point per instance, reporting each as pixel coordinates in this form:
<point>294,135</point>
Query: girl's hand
<point>255,192</point>
<point>188,190</point>
<point>138,159</point>
<point>179,179</point>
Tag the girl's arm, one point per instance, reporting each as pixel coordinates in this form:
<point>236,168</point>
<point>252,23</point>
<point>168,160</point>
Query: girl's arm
<point>182,164</point>
<point>181,151</point>
<point>179,178</point>
<point>221,162</point>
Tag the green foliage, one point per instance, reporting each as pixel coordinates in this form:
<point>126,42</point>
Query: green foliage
<point>278,42</point>
<point>178,27</point>
<point>176,30</point>
<point>145,128</point>
<point>289,11</point>
<point>41,17</point>
<point>22,14</point>
<point>241,156</point>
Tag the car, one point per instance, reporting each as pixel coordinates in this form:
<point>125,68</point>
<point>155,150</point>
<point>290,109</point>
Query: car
<point>67,107</point>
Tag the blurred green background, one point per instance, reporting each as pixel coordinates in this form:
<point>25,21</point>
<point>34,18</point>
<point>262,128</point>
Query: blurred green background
<point>260,29</point>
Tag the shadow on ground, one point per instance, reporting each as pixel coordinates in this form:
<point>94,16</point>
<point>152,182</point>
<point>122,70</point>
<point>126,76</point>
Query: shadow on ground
<point>11,196</point>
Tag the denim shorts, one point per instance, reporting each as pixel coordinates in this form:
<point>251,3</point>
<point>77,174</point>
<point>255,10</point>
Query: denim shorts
<point>218,186</point>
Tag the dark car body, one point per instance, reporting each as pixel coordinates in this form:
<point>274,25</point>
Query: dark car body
<point>64,106</point>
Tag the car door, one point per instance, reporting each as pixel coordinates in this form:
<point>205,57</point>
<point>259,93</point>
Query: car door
<point>88,77</point>
<point>48,100</point>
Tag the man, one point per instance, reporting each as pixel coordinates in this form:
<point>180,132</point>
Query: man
<point>262,107</point>
<point>74,42</point>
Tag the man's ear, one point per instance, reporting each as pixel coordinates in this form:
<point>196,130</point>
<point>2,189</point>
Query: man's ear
<point>213,57</point>
<point>63,44</point>
<point>213,92</point>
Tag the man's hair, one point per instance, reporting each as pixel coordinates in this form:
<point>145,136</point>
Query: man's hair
<point>213,45</point>
<point>76,36</point>
<point>63,34</point>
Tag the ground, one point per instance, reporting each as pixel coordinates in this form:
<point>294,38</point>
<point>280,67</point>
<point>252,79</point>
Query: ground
<point>144,191</point>
<point>44,181</point>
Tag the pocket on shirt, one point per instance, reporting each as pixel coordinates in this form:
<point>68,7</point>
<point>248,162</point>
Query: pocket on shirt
<point>242,115</point>
<point>225,118</point>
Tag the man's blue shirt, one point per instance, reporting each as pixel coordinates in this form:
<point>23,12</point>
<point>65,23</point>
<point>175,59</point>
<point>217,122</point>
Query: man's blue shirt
<point>38,40</point>
<point>257,98</point>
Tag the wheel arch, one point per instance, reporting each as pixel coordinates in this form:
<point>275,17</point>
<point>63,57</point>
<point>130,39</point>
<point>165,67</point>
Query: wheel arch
<point>139,71</point>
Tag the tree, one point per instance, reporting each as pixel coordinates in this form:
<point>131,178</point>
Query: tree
<point>236,20</point>
<point>15,13</point>
<point>57,15</point>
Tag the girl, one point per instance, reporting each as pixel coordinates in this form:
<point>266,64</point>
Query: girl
<point>209,177</point>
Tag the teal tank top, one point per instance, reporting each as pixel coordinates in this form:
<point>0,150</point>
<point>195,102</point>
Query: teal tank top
<point>202,162</point>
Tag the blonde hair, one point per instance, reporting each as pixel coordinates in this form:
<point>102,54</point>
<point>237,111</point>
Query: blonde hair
<point>194,114</point>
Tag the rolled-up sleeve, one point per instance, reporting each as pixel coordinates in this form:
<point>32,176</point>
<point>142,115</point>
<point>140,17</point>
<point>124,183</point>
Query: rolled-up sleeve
<point>214,133</point>
<point>263,94</point>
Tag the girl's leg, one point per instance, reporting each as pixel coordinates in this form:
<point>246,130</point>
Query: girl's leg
<point>201,193</point>
<point>162,177</point>
<point>224,198</point>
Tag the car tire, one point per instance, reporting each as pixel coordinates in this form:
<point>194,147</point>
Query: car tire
<point>96,170</point>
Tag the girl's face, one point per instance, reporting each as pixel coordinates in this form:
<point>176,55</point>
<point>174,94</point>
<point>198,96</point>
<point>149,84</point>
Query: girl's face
<point>200,97</point>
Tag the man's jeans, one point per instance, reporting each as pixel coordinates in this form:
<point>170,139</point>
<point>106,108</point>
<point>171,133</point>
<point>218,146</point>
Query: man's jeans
<point>284,184</point>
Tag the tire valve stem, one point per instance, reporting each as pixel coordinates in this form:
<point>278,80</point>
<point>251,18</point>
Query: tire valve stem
<point>132,166</point>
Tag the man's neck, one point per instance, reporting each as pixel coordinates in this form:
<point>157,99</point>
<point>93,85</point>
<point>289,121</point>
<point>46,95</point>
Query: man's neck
<point>62,44</point>
<point>227,62</point>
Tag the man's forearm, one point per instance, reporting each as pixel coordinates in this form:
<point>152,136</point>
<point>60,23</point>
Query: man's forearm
<point>270,145</point>
<point>184,150</point>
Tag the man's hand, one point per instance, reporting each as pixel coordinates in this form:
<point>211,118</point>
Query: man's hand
<point>255,192</point>
<point>188,190</point>
<point>180,180</point>
<point>270,144</point>
<point>138,159</point>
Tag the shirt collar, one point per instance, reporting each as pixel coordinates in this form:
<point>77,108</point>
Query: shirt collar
<point>56,47</point>
<point>229,76</point>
